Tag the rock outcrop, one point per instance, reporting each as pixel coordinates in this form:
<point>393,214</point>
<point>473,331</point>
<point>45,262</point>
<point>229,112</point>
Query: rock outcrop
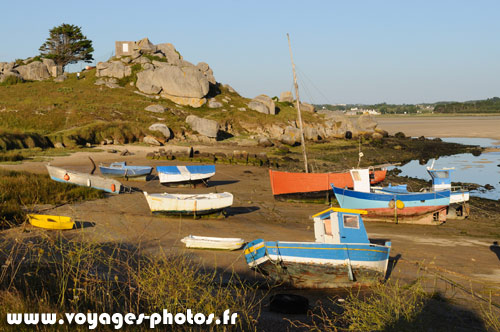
<point>286,96</point>
<point>263,104</point>
<point>155,108</point>
<point>162,129</point>
<point>162,72</point>
<point>206,127</point>
<point>116,69</point>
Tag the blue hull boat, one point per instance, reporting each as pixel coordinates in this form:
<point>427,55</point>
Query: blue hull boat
<point>182,175</point>
<point>417,208</point>
<point>342,255</point>
<point>121,169</point>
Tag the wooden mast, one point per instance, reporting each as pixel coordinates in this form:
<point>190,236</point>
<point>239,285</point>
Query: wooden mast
<point>302,140</point>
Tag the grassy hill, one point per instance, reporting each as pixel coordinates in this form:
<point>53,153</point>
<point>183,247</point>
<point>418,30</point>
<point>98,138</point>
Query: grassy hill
<point>78,111</point>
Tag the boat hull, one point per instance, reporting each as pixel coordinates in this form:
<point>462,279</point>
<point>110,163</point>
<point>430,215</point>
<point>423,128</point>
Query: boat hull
<point>415,208</point>
<point>319,265</point>
<point>172,176</point>
<point>51,222</point>
<point>198,242</point>
<point>128,172</point>
<point>83,179</point>
<point>202,204</point>
<point>287,185</point>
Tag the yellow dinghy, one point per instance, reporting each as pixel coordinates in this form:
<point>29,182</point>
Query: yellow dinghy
<point>51,222</point>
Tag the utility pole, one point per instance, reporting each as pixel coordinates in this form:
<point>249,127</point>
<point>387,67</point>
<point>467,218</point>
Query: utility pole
<point>302,140</point>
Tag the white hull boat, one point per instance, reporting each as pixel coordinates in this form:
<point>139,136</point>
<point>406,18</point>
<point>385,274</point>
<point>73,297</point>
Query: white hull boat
<point>220,243</point>
<point>188,204</point>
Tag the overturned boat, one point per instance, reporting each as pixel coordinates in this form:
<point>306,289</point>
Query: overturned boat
<point>83,179</point>
<point>121,169</point>
<point>393,206</point>
<point>288,185</point>
<point>185,175</point>
<point>188,204</point>
<point>51,222</point>
<point>341,256</point>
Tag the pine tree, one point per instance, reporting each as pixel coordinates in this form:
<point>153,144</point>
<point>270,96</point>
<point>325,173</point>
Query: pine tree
<point>67,45</point>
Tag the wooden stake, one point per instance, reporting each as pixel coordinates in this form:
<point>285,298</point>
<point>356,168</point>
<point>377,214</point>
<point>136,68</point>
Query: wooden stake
<point>302,140</point>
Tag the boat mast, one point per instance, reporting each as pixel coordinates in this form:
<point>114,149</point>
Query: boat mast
<point>302,140</point>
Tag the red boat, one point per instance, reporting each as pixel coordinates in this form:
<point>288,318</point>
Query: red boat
<point>286,185</point>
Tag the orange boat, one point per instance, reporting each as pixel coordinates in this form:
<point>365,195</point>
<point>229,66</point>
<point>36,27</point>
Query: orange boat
<point>286,185</point>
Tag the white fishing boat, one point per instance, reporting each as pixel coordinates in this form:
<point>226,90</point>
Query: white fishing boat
<point>83,179</point>
<point>188,204</point>
<point>220,243</point>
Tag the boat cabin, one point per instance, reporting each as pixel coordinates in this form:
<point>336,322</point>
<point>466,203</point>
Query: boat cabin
<point>361,179</point>
<point>441,179</point>
<point>338,226</point>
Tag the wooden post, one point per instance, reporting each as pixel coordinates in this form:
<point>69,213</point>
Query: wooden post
<point>302,140</point>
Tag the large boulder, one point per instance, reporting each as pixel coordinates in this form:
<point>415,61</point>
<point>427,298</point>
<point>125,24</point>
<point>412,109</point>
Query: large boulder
<point>205,127</point>
<point>155,108</point>
<point>168,50</point>
<point>115,69</point>
<point>34,71</point>
<point>286,96</point>
<point>291,136</point>
<point>212,103</point>
<point>5,74</point>
<point>53,69</point>
<point>186,101</point>
<point>162,129</point>
<point>145,82</point>
<point>263,104</point>
<point>145,45</point>
<point>207,71</point>
<point>311,133</point>
<point>177,81</point>
<point>151,140</point>
<point>306,107</point>
<point>367,123</point>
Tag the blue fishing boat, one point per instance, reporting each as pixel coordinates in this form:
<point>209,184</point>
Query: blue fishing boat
<point>341,256</point>
<point>182,175</point>
<point>395,206</point>
<point>121,169</point>
<point>441,181</point>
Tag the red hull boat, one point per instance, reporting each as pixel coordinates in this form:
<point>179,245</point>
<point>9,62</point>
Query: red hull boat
<point>286,185</point>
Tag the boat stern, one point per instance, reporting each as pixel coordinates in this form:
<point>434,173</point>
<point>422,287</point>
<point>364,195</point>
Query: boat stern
<point>255,252</point>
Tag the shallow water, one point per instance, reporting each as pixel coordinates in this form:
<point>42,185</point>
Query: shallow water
<point>481,170</point>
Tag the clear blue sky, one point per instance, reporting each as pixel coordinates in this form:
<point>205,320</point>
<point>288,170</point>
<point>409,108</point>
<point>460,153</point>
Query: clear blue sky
<point>345,51</point>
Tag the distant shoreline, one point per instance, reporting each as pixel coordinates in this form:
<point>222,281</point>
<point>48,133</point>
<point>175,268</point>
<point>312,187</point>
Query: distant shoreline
<point>485,126</point>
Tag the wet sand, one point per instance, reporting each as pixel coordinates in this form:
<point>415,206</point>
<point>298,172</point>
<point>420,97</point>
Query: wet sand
<point>126,218</point>
<point>442,126</point>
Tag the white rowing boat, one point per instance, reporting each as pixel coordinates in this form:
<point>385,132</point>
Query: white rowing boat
<point>205,242</point>
<point>189,204</point>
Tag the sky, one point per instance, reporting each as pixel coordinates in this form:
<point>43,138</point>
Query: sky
<point>345,51</point>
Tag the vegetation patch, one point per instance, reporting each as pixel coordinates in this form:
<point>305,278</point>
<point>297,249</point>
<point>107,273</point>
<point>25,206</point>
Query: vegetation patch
<point>57,275</point>
<point>20,191</point>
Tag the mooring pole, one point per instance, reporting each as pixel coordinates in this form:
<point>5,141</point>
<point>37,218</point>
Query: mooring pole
<point>302,140</point>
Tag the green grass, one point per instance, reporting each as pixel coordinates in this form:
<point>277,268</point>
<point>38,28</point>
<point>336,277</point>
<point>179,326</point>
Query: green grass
<point>22,190</point>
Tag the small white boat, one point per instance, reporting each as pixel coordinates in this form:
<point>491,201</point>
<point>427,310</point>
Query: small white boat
<point>189,204</point>
<point>205,242</point>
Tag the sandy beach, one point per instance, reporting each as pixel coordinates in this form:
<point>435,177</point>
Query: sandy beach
<point>442,126</point>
